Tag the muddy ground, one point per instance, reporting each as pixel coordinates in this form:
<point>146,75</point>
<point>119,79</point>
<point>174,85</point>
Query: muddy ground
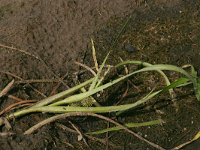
<point>57,33</point>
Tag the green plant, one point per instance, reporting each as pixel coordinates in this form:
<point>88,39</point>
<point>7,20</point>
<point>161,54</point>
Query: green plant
<point>59,103</point>
<point>63,102</point>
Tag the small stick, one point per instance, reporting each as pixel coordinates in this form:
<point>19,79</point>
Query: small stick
<point>15,98</point>
<point>55,75</point>
<point>94,56</point>
<point>7,88</point>
<point>57,86</point>
<point>37,81</point>
<point>80,135</point>
<point>125,67</point>
<point>107,137</point>
<point>63,127</point>
<point>124,94</point>
<point>77,130</point>
<point>6,134</point>
<point>61,116</point>
<point>15,104</point>
<point>23,105</point>
<point>6,123</point>
<point>19,50</point>
<point>86,67</point>
<point>36,57</point>
<point>84,70</point>
<point>15,76</point>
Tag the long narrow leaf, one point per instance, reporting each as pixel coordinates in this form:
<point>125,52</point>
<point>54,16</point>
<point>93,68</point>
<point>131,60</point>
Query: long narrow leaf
<point>129,125</point>
<point>178,83</point>
<point>81,96</point>
<point>63,94</point>
<point>93,85</point>
<point>64,109</point>
<point>145,64</point>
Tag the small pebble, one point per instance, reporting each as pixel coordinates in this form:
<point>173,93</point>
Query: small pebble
<point>129,48</point>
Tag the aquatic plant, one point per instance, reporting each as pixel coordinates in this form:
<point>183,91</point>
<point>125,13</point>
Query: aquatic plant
<point>60,103</point>
<point>65,102</point>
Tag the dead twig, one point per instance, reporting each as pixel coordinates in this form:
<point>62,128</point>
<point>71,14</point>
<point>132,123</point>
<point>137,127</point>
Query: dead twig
<point>56,76</point>
<point>19,50</point>
<point>15,98</point>
<point>80,135</point>
<point>17,77</point>
<point>65,128</point>
<point>61,116</point>
<point>5,121</point>
<point>7,88</point>
<point>85,70</point>
<point>86,67</point>
<point>12,106</point>
<point>6,134</point>
<point>58,84</point>
<point>107,137</point>
<point>36,57</point>
<point>37,81</point>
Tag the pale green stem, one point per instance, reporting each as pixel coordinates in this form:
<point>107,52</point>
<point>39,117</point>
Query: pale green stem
<point>171,92</point>
<point>63,94</point>
<point>64,109</point>
<point>78,97</point>
<point>129,125</point>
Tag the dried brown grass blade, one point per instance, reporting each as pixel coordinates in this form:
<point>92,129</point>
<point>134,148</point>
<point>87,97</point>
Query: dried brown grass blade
<point>7,88</point>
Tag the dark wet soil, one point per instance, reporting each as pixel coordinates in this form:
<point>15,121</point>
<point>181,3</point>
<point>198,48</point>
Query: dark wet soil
<point>57,33</point>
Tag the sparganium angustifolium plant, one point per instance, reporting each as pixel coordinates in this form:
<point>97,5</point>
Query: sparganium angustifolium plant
<point>63,101</point>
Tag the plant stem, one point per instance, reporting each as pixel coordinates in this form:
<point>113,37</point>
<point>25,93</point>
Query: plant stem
<point>60,95</point>
<point>64,109</point>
